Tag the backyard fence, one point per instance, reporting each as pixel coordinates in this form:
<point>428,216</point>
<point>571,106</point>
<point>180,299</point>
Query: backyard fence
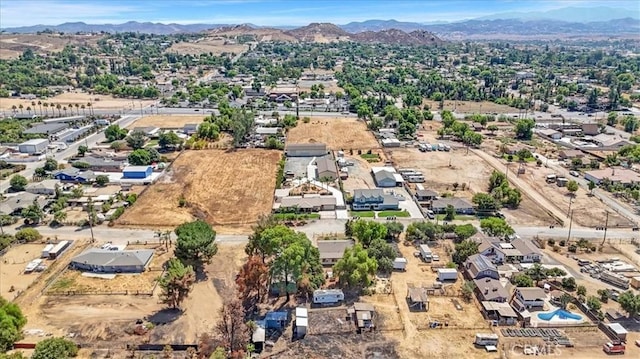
<point>98,292</point>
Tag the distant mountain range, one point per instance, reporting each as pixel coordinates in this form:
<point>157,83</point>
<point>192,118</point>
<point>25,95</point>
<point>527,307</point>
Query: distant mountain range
<point>564,21</point>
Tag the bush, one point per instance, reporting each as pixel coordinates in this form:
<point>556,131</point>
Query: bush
<point>573,248</point>
<point>28,235</point>
<point>563,243</point>
<point>551,242</point>
<point>182,202</point>
<point>81,165</point>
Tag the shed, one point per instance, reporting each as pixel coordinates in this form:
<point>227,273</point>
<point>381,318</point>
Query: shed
<point>276,320</point>
<point>447,274</point>
<point>305,149</point>
<point>618,330</point>
<point>417,297</point>
<point>137,172</point>
<point>301,326</point>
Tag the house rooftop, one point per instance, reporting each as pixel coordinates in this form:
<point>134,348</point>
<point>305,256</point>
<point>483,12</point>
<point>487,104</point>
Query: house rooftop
<point>426,193</point>
<point>105,257</point>
<point>457,203</point>
<point>531,293</point>
<point>491,289</point>
<point>478,263</point>
<point>326,164</point>
<point>615,174</point>
<point>46,128</point>
<point>306,146</point>
<point>333,249</point>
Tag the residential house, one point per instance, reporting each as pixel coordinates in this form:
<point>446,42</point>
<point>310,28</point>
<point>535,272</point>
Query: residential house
<point>282,94</point>
<point>102,164</point>
<point>109,261</point>
<point>529,298</point>
<point>570,154</point>
<point>333,250</point>
<point>373,199</point>
<point>426,195</point>
<point>620,175</point>
<point>478,266</point>
<point>47,187</point>
<point>610,141</point>
<point>326,168</point>
<point>529,252</point>
<point>307,203</point>
<point>74,175</point>
<point>501,312</point>
<point>462,206</point>
<point>390,142</point>
<point>47,128</point>
<point>149,131</point>
<point>516,251</point>
<point>363,315</point>
<point>590,129</point>
<point>190,129</point>
<point>552,134</point>
<point>15,204</point>
<point>490,290</point>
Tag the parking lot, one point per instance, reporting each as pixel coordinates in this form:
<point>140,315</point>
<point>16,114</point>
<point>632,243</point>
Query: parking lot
<point>297,166</point>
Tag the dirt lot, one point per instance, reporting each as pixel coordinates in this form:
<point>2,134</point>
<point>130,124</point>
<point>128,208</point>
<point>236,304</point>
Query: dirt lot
<point>73,280</point>
<point>13,45</point>
<point>228,189</point>
<point>207,45</point>
<point>471,107</point>
<point>101,321</point>
<point>167,121</point>
<point>337,133</point>
<point>12,268</point>
<point>360,173</point>
<point>80,98</point>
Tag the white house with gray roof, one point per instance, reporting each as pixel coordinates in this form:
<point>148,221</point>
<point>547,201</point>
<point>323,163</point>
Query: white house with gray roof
<point>373,199</point>
<point>108,261</point>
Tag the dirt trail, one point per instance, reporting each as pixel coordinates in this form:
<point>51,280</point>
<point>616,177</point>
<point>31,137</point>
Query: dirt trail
<point>525,188</point>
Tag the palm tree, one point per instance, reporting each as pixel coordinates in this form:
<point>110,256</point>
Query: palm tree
<point>20,107</point>
<point>90,109</point>
<point>83,110</point>
<point>33,105</point>
<point>46,107</point>
<point>77,108</point>
<point>14,108</point>
<point>65,110</point>
<point>537,273</point>
<point>29,109</point>
<point>58,107</point>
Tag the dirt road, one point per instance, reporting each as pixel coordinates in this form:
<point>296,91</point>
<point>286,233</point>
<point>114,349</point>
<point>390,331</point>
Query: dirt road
<point>524,187</point>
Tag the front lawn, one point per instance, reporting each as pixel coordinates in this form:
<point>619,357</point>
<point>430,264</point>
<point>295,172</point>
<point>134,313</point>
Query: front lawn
<point>458,217</point>
<point>362,214</point>
<point>295,216</point>
<point>384,214</point>
<point>370,157</point>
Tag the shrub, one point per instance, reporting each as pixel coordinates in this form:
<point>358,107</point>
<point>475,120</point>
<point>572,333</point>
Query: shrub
<point>563,243</point>
<point>28,235</point>
<point>551,242</point>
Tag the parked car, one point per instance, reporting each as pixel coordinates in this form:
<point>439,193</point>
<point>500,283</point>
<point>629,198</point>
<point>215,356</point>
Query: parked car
<point>574,173</point>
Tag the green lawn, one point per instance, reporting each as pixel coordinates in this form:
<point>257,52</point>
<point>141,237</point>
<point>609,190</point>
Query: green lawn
<point>294,216</point>
<point>393,214</point>
<point>366,214</point>
<point>516,159</point>
<point>370,156</point>
<point>151,143</point>
<point>458,217</point>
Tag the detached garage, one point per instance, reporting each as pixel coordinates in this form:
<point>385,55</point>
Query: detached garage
<point>137,172</point>
<point>305,150</point>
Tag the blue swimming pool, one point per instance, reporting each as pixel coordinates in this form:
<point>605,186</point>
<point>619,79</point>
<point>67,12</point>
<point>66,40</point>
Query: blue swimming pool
<point>560,313</point>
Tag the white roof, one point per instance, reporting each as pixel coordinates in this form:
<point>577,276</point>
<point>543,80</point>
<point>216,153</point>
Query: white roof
<point>400,260</point>
<point>386,168</point>
<point>398,177</point>
<point>447,270</point>
<point>35,141</point>
<point>135,168</point>
<point>301,312</point>
<point>617,328</point>
<point>302,322</point>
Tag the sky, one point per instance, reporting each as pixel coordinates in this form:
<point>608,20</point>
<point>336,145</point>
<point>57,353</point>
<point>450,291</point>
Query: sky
<point>269,12</point>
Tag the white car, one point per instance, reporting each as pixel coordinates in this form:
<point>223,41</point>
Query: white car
<point>574,173</point>
<point>436,258</point>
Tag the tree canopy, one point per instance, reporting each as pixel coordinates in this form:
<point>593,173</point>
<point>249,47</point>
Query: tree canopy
<point>55,348</point>
<point>355,268</point>
<point>115,133</point>
<point>368,231</point>
<point>11,323</point>
<point>496,227</point>
<point>176,283</point>
<point>196,243</point>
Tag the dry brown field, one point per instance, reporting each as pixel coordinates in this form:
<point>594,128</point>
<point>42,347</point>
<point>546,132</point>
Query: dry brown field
<point>337,133</point>
<point>167,121</point>
<point>471,107</point>
<point>228,189</point>
<point>207,45</point>
<point>13,45</point>
<point>12,268</point>
<point>72,98</point>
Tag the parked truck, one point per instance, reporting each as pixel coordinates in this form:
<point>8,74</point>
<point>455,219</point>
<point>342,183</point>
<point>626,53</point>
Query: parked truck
<point>400,264</point>
<point>614,347</point>
<point>426,253</point>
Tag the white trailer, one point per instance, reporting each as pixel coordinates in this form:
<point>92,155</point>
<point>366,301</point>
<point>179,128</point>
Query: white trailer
<point>415,179</point>
<point>447,274</point>
<point>327,296</point>
<point>486,339</point>
<point>426,253</point>
<point>45,252</point>
<point>58,249</point>
<point>400,264</point>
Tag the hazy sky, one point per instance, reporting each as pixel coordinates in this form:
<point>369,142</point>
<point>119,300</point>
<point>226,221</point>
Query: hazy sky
<point>268,12</point>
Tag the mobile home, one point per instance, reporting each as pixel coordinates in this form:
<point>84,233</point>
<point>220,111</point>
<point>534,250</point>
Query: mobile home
<point>58,249</point>
<point>486,339</point>
<point>400,264</point>
<point>415,179</point>
<point>327,296</point>
<point>46,250</point>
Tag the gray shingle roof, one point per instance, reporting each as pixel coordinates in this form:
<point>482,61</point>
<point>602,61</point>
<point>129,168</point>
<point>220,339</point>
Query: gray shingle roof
<point>333,249</point>
<point>384,175</point>
<point>457,203</point>
<point>105,257</point>
<point>326,164</point>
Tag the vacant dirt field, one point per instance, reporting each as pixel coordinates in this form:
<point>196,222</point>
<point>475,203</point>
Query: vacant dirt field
<point>73,280</point>
<point>13,45</point>
<point>337,133</point>
<point>167,121</point>
<point>12,268</point>
<point>207,45</point>
<point>471,107</point>
<point>80,98</point>
<point>228,189</point>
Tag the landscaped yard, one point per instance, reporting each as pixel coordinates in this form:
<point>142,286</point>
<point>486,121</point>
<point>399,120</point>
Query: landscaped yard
<point>295,216</point>
<point>458,217</point>
<point>516,158</point>
<point>393,214</point>
<point>363,214</point>
<point>371,157</point>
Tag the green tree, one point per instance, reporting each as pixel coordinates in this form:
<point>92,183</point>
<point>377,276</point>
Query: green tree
<point>367,231</point>
<point>18,183</point>
<point>115,133</point>
<point>612,118</point>
<point>582,290</point>
<point>592,186</point>
<point>450,213</point>
<point>496,180</point>
<point>176,283</point>
<point>82,150</point>
<point>467,290</point>
<point>463,250</point>
<point>33,213</point>
<point>496,227</point>
<point>136,140</point>
<point>196,243</point>
<point>565,299</point>
<point>594,303</point>
<point>630,303</point>
<point>50,165</point>
<point>572,186</point>
<point>422,231</point>
<point>28,235</point>
<point>465,231</point>
<point>394,229</point>
<point>383,253</point>
<point>537,273</point>
<point>485,203</point>
<point>524,129</point>
<point>298,261</point>
<point>139,157</point>
<point>522,280</point>
<point>55,348</point>
<point>102,180</point>
<point>603,295</point>
<point>569,283</point>
<point>169,139</point>
<point>355,268</point>
<point>11,323</point>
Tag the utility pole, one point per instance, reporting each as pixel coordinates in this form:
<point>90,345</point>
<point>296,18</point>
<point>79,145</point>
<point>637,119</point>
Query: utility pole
<point>606,223</point>
<point>90,210</point>
<point>570,201</point>
<point>570,223</point>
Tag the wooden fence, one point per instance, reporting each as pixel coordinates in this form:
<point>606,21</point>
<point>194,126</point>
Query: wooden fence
<point>96,292</point>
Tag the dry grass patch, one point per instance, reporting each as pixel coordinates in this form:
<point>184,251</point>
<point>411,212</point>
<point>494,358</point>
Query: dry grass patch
<point>215,46</point>
<point>225,188</point>
<point>337,133</point>
<point>167,121</point>
<point>471,107</point>
<point>13,45</point>
<point>71,98</point>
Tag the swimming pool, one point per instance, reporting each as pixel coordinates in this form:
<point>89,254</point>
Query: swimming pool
<point>560,313</point>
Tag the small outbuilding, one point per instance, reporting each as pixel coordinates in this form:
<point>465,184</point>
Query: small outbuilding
<point>276,320</point>
<point>137,172</point>
<point>617,330</point>
<point>417,298</point>
<point>37,145</point>
<point>302,321</point>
